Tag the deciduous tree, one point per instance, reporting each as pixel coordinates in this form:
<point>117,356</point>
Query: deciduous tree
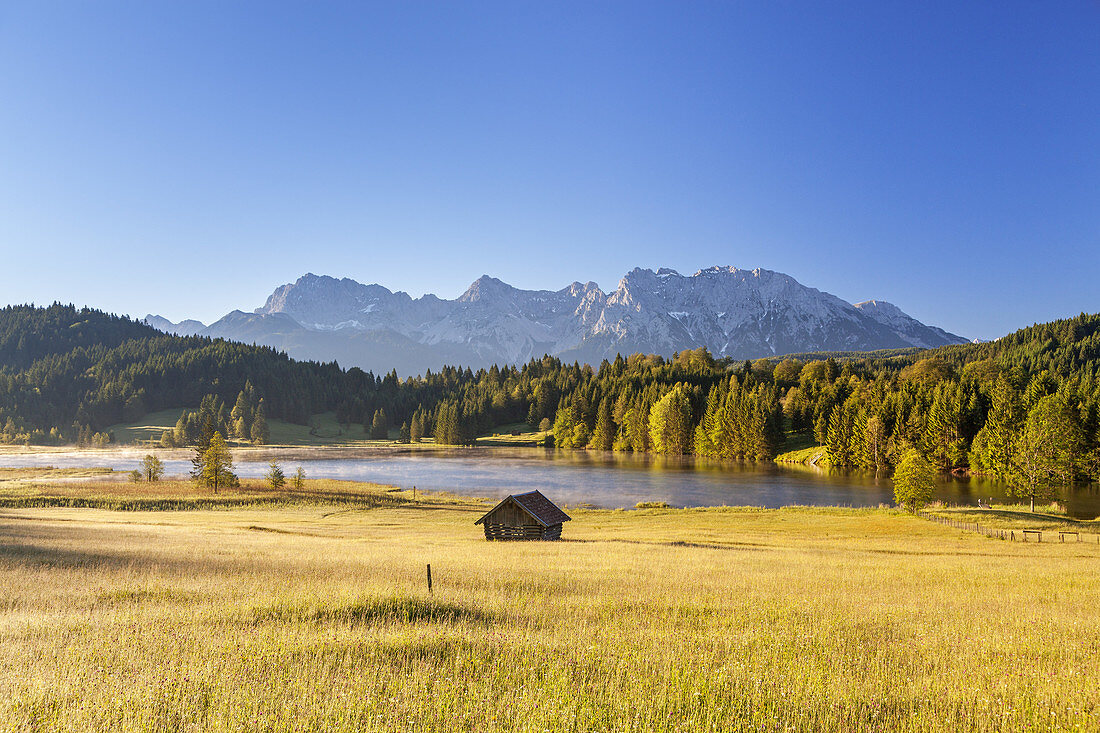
<point>152,468</point>
<point>914,481</point>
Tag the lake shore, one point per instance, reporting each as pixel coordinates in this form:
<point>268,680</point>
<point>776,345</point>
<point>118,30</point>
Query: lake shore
<point>609,480</point>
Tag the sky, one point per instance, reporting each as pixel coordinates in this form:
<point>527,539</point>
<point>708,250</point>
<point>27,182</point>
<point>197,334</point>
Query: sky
<point>187,158</point>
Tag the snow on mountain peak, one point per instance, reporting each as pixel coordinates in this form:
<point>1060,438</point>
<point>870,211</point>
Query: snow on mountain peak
<point>733,312</point>
<point>910,328</point>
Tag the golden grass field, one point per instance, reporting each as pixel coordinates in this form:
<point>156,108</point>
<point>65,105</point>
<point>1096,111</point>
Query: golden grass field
<point>311,614</point>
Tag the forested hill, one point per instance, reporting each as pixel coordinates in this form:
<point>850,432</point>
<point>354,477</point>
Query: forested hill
<point>66,372</point>
<point>1070,347</point>
<point>28,334</point>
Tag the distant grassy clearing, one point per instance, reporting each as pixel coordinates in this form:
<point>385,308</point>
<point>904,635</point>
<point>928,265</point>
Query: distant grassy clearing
<point>812,456</point>
<point>39,474</point>
<point>515,434</point>
<point>323,429</point>
<point>39,489</point>
<point>315,617</point>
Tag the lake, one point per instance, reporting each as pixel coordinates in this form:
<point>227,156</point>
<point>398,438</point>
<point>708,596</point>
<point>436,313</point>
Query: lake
<point>609,480</point>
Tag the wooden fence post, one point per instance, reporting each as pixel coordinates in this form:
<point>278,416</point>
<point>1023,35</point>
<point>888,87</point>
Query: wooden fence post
<point>429,577</point>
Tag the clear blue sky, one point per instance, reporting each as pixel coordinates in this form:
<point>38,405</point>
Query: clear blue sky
<point>186,158</point>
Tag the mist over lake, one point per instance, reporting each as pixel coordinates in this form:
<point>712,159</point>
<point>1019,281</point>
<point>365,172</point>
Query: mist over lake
<point>602,479</point>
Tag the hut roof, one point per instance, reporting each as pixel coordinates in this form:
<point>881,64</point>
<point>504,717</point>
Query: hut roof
<point>541,509</point>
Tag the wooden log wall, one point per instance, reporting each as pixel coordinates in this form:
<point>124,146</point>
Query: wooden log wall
<point>497,531</point>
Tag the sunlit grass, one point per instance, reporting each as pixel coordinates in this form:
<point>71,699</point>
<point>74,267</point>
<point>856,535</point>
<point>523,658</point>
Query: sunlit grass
<point>37,487</point>
<point>515,434</point>
<point>1050,518</point>
<point>811,456</point>
<point>314,615</point>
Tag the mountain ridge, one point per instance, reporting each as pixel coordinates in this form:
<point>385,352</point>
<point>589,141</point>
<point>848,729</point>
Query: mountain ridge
<point>733,312</point>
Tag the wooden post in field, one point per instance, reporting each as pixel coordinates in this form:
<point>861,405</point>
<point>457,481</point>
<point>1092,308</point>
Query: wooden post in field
<point>429,577</point>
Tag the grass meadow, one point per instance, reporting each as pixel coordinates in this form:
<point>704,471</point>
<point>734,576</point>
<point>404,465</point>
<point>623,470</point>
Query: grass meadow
<point>312,613</point>
<point>323,430</point>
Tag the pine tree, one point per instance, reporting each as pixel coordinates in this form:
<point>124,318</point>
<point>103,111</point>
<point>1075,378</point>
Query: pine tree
<point>241,415</point>
<point>763,446</point>
<point>450,425</point>
<point>405,433</point>
<point>942,435</point>
<point>275,477</point>
<point>704,443</point>
<point>181,434</point>
<point>838,441</point>
<point>259,432</point>
<point>563,426</point>
<point>725,431</point>
<point>603,436</point>
<point>994,446</point>
<point>208,425</point>
<point>1041,385</point>
<point>379,428</point>
<point>416,429</point>
<point>216,466</point>
<point>580,437</point>
<point>299,479</point>
<point>670,422</point>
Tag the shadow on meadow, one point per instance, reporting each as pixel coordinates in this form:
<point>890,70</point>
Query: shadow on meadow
<point>371,611</point>
<point>729,545</point>
<point>130,596</point>
<point>68,547</point>
<point>55,557</point>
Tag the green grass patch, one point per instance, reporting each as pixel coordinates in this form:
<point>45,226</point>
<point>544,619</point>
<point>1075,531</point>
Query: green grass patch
<point>813,456</point>
<point>148,428</point>
<point>794,441</point>
<point>322,430</point>
<point>515,434</point>
<point>1015,517</point>
<point>372,610</point>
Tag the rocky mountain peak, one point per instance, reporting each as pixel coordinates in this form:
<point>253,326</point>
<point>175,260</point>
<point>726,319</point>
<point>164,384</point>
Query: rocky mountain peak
<point>582,290</point>
<point>486,288</point>
<point>880,306</point>
<point>734,312</point>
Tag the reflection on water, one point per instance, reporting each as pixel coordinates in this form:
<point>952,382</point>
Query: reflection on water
<point>603,479</point>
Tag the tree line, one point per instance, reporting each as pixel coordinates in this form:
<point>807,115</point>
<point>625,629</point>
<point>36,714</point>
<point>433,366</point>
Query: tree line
<point>1025,406</point>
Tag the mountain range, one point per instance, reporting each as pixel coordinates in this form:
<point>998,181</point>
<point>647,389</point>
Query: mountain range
<point>744,314</point>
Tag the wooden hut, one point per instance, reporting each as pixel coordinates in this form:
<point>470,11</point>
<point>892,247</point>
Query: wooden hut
<point>529,516</point>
